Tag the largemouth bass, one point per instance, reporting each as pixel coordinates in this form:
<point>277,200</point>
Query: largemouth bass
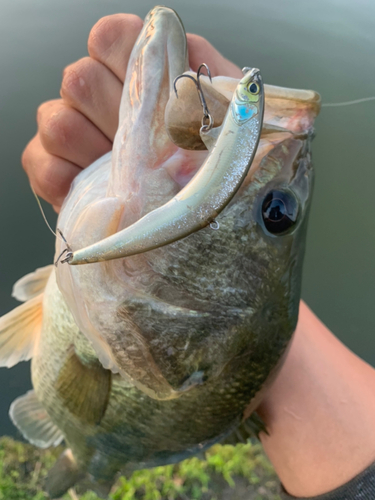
<point>146,360</point>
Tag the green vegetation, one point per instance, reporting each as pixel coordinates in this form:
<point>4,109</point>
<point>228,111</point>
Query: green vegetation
<point>239,472</point>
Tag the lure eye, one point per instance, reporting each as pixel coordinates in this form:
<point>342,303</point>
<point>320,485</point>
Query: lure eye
<point>279,211</point>
<point>253,88</point>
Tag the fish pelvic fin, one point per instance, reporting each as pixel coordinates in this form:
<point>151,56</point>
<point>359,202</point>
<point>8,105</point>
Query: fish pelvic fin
<point>20,332</point>
<point>32,284</point>
<point>33,421</point>
<point>63,475</point>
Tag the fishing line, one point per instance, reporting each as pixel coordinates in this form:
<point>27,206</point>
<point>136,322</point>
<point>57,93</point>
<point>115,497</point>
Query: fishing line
<point>58,234</point>
<point>44,215</point>
<point>348,103</point>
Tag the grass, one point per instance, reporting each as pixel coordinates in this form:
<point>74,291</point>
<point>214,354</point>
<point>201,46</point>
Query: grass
<point>239,472</point>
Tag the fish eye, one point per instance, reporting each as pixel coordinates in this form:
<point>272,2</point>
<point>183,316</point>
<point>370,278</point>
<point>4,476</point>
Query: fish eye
<point>253,88</point>
<point>279,211</point>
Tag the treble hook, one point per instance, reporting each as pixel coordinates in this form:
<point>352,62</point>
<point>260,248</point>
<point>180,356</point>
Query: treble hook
<point>203,100</point>
<point>206,113</point>
<point>68,251</point>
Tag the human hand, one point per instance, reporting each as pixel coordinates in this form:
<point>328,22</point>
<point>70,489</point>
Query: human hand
<point>80,127</point>
<point>319,412</point>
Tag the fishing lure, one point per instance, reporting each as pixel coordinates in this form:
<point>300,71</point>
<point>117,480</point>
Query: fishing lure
<point>232,148</point>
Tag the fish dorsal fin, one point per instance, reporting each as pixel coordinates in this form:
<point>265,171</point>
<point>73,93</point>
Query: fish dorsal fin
<point>33,421</point>
<point>32,284</point>
<point>20,331</point>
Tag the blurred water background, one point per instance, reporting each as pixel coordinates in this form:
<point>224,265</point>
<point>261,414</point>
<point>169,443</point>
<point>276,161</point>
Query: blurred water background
<point>325,45</point>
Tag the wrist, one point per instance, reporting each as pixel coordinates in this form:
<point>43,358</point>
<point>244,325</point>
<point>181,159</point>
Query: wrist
<point>319,412</point>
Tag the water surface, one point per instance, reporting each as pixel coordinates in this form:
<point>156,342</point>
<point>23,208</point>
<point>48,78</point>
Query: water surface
<point>326,45</point>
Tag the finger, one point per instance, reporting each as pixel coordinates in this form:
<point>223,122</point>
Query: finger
<point>49,175</point>
<point>201,51</point>
<point>111,41</point>
<point>66,133</point>
<point>92,89</point>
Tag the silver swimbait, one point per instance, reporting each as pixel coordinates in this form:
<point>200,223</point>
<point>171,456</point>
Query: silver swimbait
<point>232,148</point>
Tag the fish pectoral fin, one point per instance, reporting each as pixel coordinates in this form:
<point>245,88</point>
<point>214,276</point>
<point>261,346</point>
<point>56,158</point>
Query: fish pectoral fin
<point>64,475</point>
<point>20,331</point>
<point>84,388</point>
<point>33,421</point>
<point>32,284</point>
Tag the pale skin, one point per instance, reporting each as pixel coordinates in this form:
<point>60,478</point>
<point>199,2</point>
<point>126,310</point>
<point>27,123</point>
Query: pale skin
<point>320,411</point>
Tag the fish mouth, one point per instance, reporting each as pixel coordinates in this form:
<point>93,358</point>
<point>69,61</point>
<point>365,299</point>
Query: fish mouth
<point>288,114</point>
<point>287,111</point>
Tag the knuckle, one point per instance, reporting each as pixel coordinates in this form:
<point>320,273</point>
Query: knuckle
<point>25,158</point>
<point>53,131</point>
<point>109,29</point>
<point>102,35</point>
<point>46,181</point>
<point>35,185</point>
<point>53,125</point>
<point>41,111</point>
<point>46,109</point>
<point>74,86</point>
<point>45,172</point>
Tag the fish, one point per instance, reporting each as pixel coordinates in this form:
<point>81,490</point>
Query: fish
<point>146,360</point>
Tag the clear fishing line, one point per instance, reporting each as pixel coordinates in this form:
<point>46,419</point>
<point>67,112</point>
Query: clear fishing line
<point>44,215</point>
<point>347,103</point>
<point>57,235</point>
